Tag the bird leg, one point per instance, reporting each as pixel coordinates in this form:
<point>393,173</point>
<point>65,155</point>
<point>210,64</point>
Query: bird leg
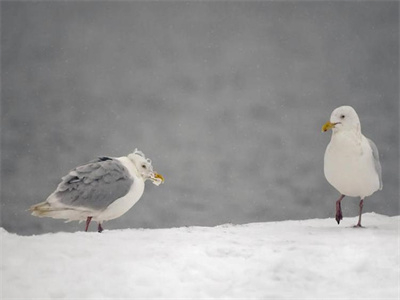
<point>339,215</point>
<point>87,223</point>
<point>99,228</point>
<point>359,217</point>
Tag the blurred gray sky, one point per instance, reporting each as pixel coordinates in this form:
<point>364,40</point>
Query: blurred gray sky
<point>226,98</point>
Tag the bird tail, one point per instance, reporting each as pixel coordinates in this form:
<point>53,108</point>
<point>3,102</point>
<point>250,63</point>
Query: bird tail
<point>57,211</point>
<point>41,209</point>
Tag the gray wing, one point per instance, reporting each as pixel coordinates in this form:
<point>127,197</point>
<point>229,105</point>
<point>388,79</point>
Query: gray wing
<point>377,163</point>
<point>95,185</point>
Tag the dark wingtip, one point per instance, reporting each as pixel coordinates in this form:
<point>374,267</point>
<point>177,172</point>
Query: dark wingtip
<point>104,158</point>
<point>74,180</point>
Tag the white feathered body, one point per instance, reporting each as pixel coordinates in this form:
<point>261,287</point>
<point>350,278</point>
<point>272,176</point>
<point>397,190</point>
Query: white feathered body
<point>349,165</point>
<point>122,205</point>
<point>52,207</point>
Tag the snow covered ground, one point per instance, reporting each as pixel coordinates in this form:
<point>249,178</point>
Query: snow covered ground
<point>296,259</point>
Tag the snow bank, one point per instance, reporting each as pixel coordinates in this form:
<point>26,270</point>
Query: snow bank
<point>300,259</point>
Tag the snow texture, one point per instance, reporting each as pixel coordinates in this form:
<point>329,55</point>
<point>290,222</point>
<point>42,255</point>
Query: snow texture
<point>297,259</point>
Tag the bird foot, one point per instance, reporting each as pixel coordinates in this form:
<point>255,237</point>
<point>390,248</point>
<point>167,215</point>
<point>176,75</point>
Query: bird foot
<point>339,215</point>
<point>99,228</point>
<point>358,226</point>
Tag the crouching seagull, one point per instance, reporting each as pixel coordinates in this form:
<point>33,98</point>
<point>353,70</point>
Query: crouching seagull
<point>101,190</point>
<point>351,162</point>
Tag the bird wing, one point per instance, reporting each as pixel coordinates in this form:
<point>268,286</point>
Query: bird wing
<point>377,163</point>
<point>94,185</point>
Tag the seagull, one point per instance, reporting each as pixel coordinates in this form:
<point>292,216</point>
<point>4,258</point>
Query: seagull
<point>351,162</point>
<point>102,190</point>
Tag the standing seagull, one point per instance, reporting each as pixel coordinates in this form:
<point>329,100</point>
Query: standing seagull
<point>351,162</point>
<point>102,190</point>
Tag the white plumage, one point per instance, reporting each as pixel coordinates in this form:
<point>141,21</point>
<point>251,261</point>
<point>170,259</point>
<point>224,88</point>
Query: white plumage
<point>351,162</point>
<point>102,190</point>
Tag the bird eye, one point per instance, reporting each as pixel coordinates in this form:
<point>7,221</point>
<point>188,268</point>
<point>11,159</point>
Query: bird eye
<point>144,166</point>
<point>342,116</point>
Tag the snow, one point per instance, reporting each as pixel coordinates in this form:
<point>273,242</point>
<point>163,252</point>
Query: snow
<point>289,259</point>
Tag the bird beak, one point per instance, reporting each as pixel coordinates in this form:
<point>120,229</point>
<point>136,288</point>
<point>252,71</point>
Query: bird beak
<point>157,179</point>
<point>159,176</point>
<point>328,125</point>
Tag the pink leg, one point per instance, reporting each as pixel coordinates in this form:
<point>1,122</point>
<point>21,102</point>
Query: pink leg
<point>99,228</point>
<point>359,217</point>
<point>339,215</point>
<point>87,223</point>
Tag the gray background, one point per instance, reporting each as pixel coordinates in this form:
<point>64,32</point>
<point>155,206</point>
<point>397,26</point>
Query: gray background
<point>226,98</point>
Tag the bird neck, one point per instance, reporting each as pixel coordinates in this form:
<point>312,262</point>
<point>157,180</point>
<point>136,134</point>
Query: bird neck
<point>130,165</point>
<point>345,138</point>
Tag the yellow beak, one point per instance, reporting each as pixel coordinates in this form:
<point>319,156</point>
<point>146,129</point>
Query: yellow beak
<point>328,125</point>
<point>159,176</point>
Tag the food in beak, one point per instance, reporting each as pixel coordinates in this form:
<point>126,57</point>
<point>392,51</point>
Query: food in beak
<point>157,179</point>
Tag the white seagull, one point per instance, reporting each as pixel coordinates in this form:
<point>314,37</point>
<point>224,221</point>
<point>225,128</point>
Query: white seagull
<point>351,162</point>
<point>102,190</point>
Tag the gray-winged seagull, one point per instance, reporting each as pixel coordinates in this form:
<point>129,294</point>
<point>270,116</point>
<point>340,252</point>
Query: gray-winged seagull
<point>102,190</point>
<point>351,162</point>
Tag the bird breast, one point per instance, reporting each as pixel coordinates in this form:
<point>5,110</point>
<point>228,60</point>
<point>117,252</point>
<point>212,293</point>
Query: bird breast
<point>123,204</point>
<point>348,165</point>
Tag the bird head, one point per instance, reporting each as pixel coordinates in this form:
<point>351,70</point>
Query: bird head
<point>343,118</point>
<point>144,167</point>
